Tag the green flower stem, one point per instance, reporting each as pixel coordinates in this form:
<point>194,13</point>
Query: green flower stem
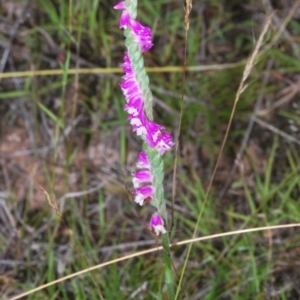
<point>157,171</point>
<point>155,159</point>
<point>137,62</point>
<point>168,266</point>
<point>131,6</point>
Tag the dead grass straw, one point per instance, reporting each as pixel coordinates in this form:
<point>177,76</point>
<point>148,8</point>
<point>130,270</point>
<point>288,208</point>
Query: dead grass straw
<point>242,86</point>
<point>152,250</point>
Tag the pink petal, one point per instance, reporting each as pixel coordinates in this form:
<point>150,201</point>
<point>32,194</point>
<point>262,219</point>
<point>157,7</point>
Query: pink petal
<point>143,162</point>
<point>124,19</point>
<point>120,6</point>
<point>157,224</point>
<point>142,194</point>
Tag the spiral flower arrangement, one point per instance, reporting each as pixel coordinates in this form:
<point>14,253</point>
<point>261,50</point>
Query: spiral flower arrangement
<point>147,181</point>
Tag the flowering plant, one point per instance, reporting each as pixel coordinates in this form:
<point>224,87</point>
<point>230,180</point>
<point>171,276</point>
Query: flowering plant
<point>148,180</point>
<point>135,87</point>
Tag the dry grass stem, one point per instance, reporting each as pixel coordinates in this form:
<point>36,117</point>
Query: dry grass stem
<point>158,248</point>
<point>100,71</point>
<point>242,86</point>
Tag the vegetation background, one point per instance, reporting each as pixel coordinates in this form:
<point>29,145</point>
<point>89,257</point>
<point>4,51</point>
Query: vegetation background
<point>67,150</point>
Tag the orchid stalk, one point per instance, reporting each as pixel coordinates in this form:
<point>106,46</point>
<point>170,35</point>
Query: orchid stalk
<point>148,180</point>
